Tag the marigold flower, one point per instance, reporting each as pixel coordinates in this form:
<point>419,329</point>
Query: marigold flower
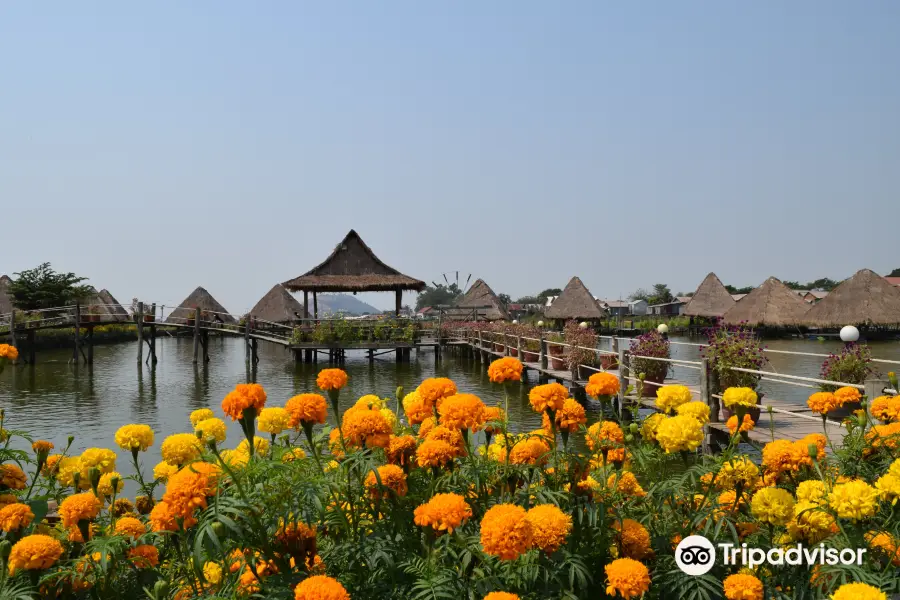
<point>331,380</point>
<point>650,425</point>
<point>855,500</point>
<point>213,429</point>
<point>15,516</point>
<point>602,384</point>
<point>773,505</point>
<point>698,410</point>
<point>461,411</point>
<point>78,507</point>
<point>626,577</point>
<point>679,434</point>
<point>782,456</point>
<point>134,437</point>
<point>274,420</point>
<point>633,539</point>
<point>144,556</point>
<point>847,395</point>
<point>307,409</point>
<point>188,490</point>
<point>320,587</point>
<point>180,448</point>
<point>212,572</point>
<point>50,465</point>
<point>532,450</point>
<point>505,369</point>
<point>392,477</point>
<point>12,477</point>
<point>105,486</point>
<point>858,591</point>
<point>40,446</point>
<point>822,402</point>
<point>506,531</point>
<point>416,409</point>
<point>130,527</point>
<point>444,512</point>
<point>549,396</point>
<point>811,490</point>
<point>260,446</point>
<point>884,436</point>
<point>426,427</point>
<point>66,467</point>
<point>550,526</point>
<point>243,397</point>
<point>626,483</point>
<point>739,471</point>
<point>811,524</point>
<point>670,397</point>
<point>164,470</point>
<point>746,425</point>
<point>366,427</point>
<point>201,414</point>
<point>741,586</point>
<point>401,449</point>
<point>434,389</point>
<point>9,352</point>
<point>293,454</point>
<point>604,435</point>
<point>34,553</point>
<point>501,596</point>
<point>739,396</point>
<point>886,544</point>
<point>435,453</point>
<point>162,518</point>
<point>143,504</point>
<point>492,416</point>
<point>886,408</point>
<point>571,416</point>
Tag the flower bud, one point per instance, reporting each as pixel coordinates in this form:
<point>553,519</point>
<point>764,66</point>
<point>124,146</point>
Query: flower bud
<point>219,529</point>
<point>71,439</point>
<point>813,451</point>
<point>400,393</point>
<point>160,589</point>
<point>642,376</point>
<point>94,476</point>
<point>633,428</point>
<point>76,478</point>
<point>114,482</point>
<point>5,547</point>
<point>629,438</point>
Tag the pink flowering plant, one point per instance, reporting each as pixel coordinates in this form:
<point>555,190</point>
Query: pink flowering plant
<point>852,365</point>
<point>734,346</point>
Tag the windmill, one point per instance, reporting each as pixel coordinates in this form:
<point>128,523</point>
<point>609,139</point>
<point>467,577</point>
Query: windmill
<point>455,274</point>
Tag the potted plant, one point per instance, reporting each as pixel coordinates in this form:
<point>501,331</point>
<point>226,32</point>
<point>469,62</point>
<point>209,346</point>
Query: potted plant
<point>555,352</point>
<point>852,365</point>
<point>651,345</point>
<point>580,350</point>
<point>735,346</point>
<point>531,343</point>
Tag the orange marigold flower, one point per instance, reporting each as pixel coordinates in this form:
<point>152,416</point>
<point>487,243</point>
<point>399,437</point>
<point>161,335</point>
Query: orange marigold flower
<point>42,446</point>
<point>602,384</point>
<point>34,553</point>
<point>78,507</point>
<point>461,411</point>
<point>401,449</point>
<point>444,512</point>
<point>162,518</point>
<point>434,389</point>
<point>15,516</point>
<point>505,369</point>
<point>334,443</point>
<point>130,527</point>
<point>782,456</point>
<point>416,409</point>
<point>426,427</point>
<point>741,586</point>
<point>884,436</point>
<point>822,402</point>
<point>530,451</point>
<point>846,395</point>
<point>570,416</point>
<point>12,477</point>
<point>506,531</point>
<point>435,453</point>
<point>363,426</point>
<point>188,489</point>
<point>549,526</point>
<point>392,477</point>
<point>144,556</point>
<point>451,436</point>
<point>814,438</point>
<point>331,380</point>
<point>307,408</point>
<point>492,416</point>
<point>501,596</point>
<point>633,539</point>
<point>885,543</point>
<point>320,587</point>
<point>604,435</point>
<point>746,425</point>
<point>886,408</point>
<point>626,577</point>
<point>626,483</point>
<point>244,396</point>
<point>550,396</point>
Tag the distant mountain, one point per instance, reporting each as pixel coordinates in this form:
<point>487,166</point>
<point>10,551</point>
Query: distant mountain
<point>343,303</point>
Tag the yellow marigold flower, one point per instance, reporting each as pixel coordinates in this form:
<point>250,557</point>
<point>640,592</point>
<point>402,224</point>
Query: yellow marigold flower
<point>181,448</point>
<point>604,435</point>
<point>739,396</point>
<point>550,526</point>
<point>626,483</point>
<point>12,477</point>
<point>493,415</point>
<point>435,453</point>
<point>461,411</point>
<point>274,420</point>
<point>746,425</point>
<point>633,539</point>
<point>188,490</point>
<point>822,402</point>
<point>392,477</point>
<point>501,596</point>
<point>391,418</point>
<point>244,396</point>
<point>260,446</point>
<point>162,518</point>
<point>320,587</point>
<point>811,524</point>
<point>213,429</point>
<point>894,469</point>
<point>571,416</point>
<point>679,434</point>
<point>505,369</point>
<point>102,458</point>
<point>858,591</point>
<point>331,380</point>
<point>366,427</point>
<point>506,531</point>
<point>105,486</point>
<point>34,553</point>
<point>670,397</point>
<point>650,425</point>
<point>78,507</point>
<point>201,414</point>
<point>134,437</point>
<point>812,491</point>
<point>370,401</point>
<point>42,446</point>
<point>144,556</point>
<point>773,505</point>
<point>66,469</point>
<point>306,408</point>
<point>532,450</point>
<point>739,471</point>
<point>886,408</point>
<point>15,516</point>
<point>212,572</point>
<point>886,544</point>
<point>130,527</point>
<point>847,395</point>
<point>626,577</point>
<point>164,470</point>
<point>293,454</point>
<point>434,389</point>
<point>888,487</point>
<point>549,396</point>
<point>602,384</point>
<point>741,586</point>
<point>444,512</point>
<point>698,410</point>
<point>854,500</point>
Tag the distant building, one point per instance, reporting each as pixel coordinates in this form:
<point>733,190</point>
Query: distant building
<point>425,312</point>
<point>814,296</point>
<point>616,308</point>
<point>801,293</point>
<point>737,296</point>
<point>895,281</point>
<point>667,308</point>
<point>638,307</point>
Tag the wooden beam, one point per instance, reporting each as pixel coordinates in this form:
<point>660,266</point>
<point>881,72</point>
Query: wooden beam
<point>305,304</point>
<point>399,302</point>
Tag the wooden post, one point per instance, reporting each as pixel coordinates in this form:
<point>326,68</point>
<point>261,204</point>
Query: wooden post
<point>152,334</point>
<point>12,327</point>
<point>316,307</point>
<point>705,397</point>
<point>32,359</point>
<point>712,382</point>
<point>505,345</point>
<point>543,351</point>
<point>305,304</point>
<point>205,345</point>
<point>874,387</point>
<point>247,338</point>
<point>623,380</point>
<point>254,360</point>
<point>519,348</point>
<point>140,331</point>
<point>614,344</point>
<point>196,333</point>
<point>90,343</point>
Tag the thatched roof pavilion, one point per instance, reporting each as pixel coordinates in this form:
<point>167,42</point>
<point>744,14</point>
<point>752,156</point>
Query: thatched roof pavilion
<point>710,300</point>
<point>116,311</point>
<point>278,306</point>
<point>772,304</point>
<point>353,267</point>
<point>203,300</point>
<point>102,304</point>
<point>867,298</point>
<point>474,301</point>
<point>5,299</point>
<point>575,302</point>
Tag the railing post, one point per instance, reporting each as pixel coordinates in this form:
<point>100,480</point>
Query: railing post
<point>12,326</point>
<point>140,331</point>
<point>519,348</point>
<point>543,355</point>
<point>247,338</point>
<point>623,377</point>
<point>505,344</point>
<point>77,350</point>
<point>706,398</point>
<point>480,340</point>
<point>712,383</point>
<point>196,334</point>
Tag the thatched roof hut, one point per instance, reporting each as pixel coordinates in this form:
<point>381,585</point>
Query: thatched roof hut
<point>353,267</point>
<point>710,300</point>
<point>278,306</point>
<point>115,310</point>
<point>203,300</point>
<point>772,304</point>
<point>5,299</point>
<point>575,302</point>
<point>867,298</point>
<point>479,295</point>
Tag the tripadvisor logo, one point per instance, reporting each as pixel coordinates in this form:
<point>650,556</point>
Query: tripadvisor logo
<point>696,555</point>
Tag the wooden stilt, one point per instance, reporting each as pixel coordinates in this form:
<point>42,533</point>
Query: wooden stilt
<point>205,344</point>
<point>196,334</point>
<point>255,358</point>
<point>77,349</point>
<point>140,331</point>
<point>153,335</point>
<point>305,304</point>
<point>316,307</point>
<point>399,302</point>
<point>12,327</point>
<point>90,345</point>
<point>247,356</point>
<point>32,351</point>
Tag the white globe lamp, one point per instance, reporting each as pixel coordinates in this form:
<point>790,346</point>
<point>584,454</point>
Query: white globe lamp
<point>849,334</point>
<point>583,325</point>
<point>662,328</point>
<point>515,322</point>
<point>540,323</point>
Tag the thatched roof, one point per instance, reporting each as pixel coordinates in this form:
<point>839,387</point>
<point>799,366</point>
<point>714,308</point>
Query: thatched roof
<point>353,267</point>
<point>278,306</point>
<point>575,302</point>
<point>5,299</point>
<point>710,300</point>
<point>103,304</point>
<point>772,304</point>
<point>480,294</point>
<point>867,298</point>
<point>113,307</point>
<point>202,299</point>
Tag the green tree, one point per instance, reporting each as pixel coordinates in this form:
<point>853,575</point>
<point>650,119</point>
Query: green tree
<point>438,295</point>
<point>640,294</point>
<point>549,292</point>
<point>504,299</point>
<point>744,290</point>
<point>894,273</point>
<point>42,287</point>
<point>661,294</point>
<point>529,300</point>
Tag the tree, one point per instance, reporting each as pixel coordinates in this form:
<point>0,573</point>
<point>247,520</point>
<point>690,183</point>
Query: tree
<point>661,294</point>
<point>42,287</point>
<point>530,300</point>
<point>894,273</point>
<point>504,299</point>
<point>824,283</point>
<point>549,292</point>
<point>438,295</point>
<point>640,294</point>
<point>744,290</point>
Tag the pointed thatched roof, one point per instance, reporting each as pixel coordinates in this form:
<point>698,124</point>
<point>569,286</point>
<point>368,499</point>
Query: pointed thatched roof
<point>202,299</point>
<point>575,302</point>
<point>867,298</point>
<point>710,300</point>
<point>102,304</point>
<point>5,299</point>
<point>278,306</point>
<point>353,267</point>
<point>772,304</point>
<point>480,294</point>
<point>116,311</point>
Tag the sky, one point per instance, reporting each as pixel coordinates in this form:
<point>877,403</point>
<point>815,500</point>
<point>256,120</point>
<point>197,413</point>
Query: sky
<point>155,147</point>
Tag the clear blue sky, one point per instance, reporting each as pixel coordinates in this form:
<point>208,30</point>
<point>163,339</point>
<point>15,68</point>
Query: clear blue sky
<point>159,146</point>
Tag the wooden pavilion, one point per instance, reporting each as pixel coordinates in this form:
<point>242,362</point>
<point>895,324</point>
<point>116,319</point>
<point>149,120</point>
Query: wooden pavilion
<point>866,300</point>
<point>478,303</point>
<point>772,304</point>
<point>575,302</point>
<point>711,300</point>
<point>203,300</point>
<point>278,306</point>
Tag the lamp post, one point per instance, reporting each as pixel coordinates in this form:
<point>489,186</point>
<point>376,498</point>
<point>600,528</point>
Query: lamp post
<point>849,334</point>
<point>583,325</point>
<point>663,330</point>
<point>540,323</point>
